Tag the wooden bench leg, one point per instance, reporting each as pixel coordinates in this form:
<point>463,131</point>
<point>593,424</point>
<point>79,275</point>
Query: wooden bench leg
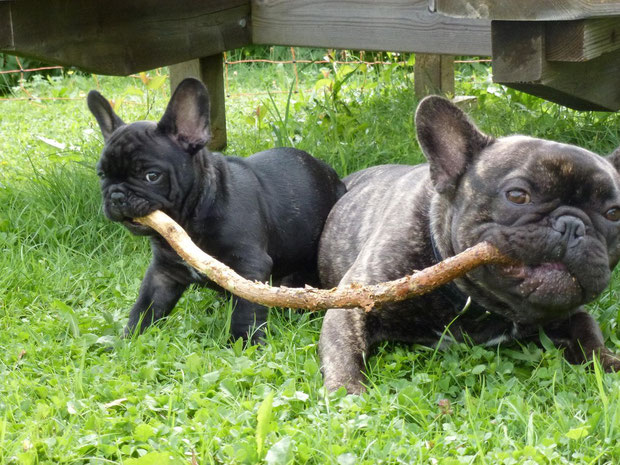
<point>210,71</point>
<point>433,74</point>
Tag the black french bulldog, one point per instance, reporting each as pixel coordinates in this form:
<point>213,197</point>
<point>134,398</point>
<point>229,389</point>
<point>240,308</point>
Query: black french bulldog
<point>555,208</point>
<point>262,215</point>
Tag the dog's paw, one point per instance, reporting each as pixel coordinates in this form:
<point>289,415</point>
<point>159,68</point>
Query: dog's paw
<point>352,385</point>
<point>257,337</point>
<point>251,333</point>
<point>128,332</point>
<point>610,361</point>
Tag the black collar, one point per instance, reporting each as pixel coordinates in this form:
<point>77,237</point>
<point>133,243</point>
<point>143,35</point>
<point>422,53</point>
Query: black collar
<point>453,294</point>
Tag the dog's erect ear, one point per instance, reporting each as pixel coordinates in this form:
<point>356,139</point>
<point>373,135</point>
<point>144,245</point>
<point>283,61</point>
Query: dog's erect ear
<point>449,139</point>
<point>104,114</point>
<point>186,119</point>
<point>614,159</point>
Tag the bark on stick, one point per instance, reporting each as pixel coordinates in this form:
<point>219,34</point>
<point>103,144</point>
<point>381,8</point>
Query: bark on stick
<point>310,298</point>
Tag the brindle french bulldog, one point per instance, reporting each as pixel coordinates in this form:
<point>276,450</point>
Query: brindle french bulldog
<point>555,208</point>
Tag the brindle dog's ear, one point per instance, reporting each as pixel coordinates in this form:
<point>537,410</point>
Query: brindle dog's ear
<point>449,139</point>
<point>614,159</point>
<point>104,114</point>
<point>186,119</point>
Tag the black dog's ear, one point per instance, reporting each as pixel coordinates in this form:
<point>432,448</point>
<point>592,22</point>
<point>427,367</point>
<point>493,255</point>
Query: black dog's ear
<point>614,159</point>
<point>104,114</point>
<point>449,139</point>
<point>186,119</point>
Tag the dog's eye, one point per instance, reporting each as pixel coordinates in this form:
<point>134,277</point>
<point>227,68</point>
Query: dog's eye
<point>101,174</point>
<point>613,214</point>
<point>152,176</point>
<point>518,196</point>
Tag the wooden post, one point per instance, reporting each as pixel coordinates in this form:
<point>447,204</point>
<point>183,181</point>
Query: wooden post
<point>433,74</point>
<point>210,71</point>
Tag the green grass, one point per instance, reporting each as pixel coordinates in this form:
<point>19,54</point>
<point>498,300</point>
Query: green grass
<point>180,392</point>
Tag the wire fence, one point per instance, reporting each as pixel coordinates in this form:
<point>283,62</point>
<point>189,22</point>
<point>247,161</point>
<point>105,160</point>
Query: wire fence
<point>329,59</point>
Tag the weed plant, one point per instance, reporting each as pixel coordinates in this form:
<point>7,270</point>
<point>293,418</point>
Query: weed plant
<point>73,392</point>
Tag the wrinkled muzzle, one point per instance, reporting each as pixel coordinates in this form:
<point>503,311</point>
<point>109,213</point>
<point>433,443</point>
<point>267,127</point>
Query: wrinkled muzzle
<point>560,266</point>
<point>122,204</point>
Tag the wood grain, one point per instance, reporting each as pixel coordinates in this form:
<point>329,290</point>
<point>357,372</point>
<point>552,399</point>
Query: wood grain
<point>519,61</point>
<point>309,298</point>
<point>527,10</point>
<point>581,40</point>
<point>395,25</point>
<point>121,37</point>
<point>434,74</point>
<point>6,28</point>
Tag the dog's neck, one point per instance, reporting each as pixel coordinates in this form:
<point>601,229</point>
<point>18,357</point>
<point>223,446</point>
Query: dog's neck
<point>451,291</point>
<point>208,185</point>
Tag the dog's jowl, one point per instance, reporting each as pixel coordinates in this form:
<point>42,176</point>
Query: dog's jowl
<point>262,215</point>
<point>554,208</point>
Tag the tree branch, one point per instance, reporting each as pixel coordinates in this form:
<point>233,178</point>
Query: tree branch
<point>310,298</point>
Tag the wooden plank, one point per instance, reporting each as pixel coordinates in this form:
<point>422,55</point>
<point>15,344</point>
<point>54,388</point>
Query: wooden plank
<point>209,70</point>
<point>433,74</point>
<point>582,40</point>
<point>396,25</point>
<point>519,61</point>
<point>122,37</point>
<point>526,10</point>
<point>6,29</point>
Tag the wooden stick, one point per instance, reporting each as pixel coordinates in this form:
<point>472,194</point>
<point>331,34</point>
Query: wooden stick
<point>310,298</point>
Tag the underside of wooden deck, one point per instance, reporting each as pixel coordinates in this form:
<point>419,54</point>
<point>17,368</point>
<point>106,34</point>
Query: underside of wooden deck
<point>567,51</point>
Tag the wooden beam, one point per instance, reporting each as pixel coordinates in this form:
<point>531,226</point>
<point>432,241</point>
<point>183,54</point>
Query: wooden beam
<point>6,33</point>
<point>433,74</point>
<point>120,36</point>
<point>210,71</point>
<point>582,40</point>
<point>520,61</point>
<point>526,10</point>
<point>395,25</point>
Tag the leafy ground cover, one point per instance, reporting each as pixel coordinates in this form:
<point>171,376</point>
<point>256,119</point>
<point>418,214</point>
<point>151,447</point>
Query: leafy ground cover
<point>181,393</point>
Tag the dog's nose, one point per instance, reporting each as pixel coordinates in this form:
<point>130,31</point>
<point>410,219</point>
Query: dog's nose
<point>571,228</point>
<point>118,198</point>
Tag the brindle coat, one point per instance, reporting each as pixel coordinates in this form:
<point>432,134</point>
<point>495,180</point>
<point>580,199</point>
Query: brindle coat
<point>395,219</point>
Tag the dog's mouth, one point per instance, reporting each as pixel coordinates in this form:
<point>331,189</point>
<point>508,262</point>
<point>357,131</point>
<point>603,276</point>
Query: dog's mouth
<point>136,228</point>
<point>541,270</point>
<point>548,284</point>
<point>126,216</point>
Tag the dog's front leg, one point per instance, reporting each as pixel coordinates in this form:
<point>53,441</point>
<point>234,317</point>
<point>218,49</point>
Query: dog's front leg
<point>581,337</point>
<point>158,295</point>
<point>248,319</point>
<point>343,345</point>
